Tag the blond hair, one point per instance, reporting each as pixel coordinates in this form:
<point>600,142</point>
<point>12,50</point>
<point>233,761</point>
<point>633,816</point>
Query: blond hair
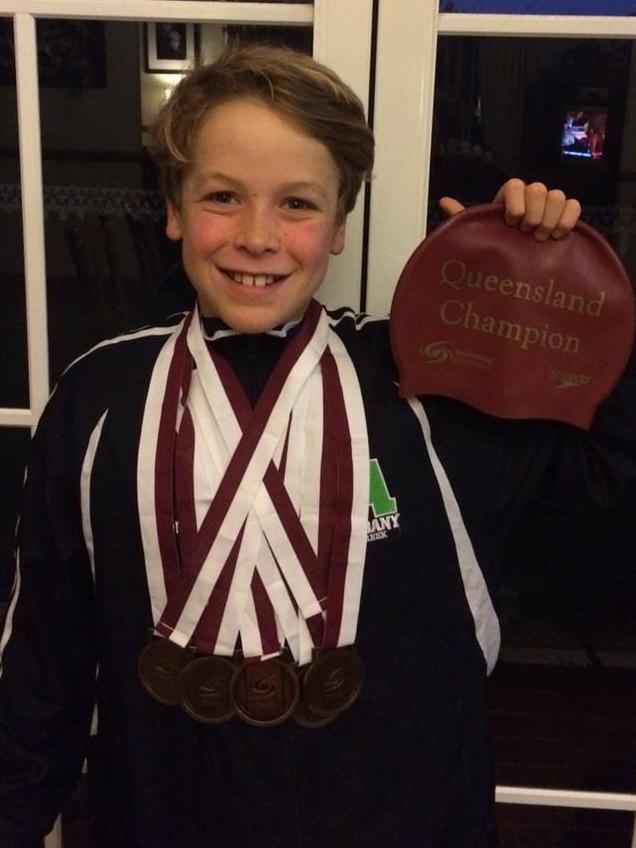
<point>308,94</point>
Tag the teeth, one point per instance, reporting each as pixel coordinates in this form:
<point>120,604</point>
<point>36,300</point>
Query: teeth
<point>259,280</point>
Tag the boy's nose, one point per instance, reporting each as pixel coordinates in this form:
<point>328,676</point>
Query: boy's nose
<point>257,232</point>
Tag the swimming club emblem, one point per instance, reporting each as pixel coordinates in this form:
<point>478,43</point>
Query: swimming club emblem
<point>383,511</point>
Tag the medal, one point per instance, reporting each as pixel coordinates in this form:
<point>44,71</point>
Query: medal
<point>159,665</point>
<point>204,689</point>
<point>265,693</point>
<point>306,717</point>
<point>332,683</point>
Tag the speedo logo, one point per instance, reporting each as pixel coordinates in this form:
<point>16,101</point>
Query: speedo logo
<point>383,511</point>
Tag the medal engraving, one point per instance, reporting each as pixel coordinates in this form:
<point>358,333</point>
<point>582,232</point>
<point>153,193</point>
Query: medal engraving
<point>332,683</point>
<point>265,693</point>
<point>306,717</point>
<point>204,688</point>
<point>159,665</point>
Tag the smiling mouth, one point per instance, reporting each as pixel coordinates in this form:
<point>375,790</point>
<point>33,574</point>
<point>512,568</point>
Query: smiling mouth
<point>255,280</point>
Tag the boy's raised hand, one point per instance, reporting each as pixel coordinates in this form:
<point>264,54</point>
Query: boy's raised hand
<point>534,208</point>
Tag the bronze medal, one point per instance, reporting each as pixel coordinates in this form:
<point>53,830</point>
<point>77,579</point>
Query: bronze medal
<point>204,687</point>
<point>332,683</point>
<point>265,693</point>
<point>159,665</point>
<point>306,717</point>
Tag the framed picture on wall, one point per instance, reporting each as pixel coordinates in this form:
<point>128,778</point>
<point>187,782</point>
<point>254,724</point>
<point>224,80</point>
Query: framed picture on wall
<point>170,47</point>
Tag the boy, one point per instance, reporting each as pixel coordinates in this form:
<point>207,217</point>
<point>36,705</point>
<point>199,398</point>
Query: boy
<point>196,524</point>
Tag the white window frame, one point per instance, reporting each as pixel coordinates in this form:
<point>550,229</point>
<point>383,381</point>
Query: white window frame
<point>407,37</point>
<point>407,48</point>
<point>332,21</point>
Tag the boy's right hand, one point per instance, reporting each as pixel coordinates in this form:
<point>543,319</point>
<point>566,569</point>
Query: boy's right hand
<point>534,208</point>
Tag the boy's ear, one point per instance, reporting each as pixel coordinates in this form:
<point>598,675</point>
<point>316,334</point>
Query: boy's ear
<point>338,239</point>
<point>173,221</point>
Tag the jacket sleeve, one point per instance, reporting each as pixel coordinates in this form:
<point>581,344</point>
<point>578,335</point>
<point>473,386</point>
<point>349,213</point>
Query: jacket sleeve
<point>594,469</point>
<point>498,467</point>
<point>47,647</point>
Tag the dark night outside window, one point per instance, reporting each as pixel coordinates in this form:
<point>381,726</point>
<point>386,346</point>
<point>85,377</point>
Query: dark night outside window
<point>541,7</point>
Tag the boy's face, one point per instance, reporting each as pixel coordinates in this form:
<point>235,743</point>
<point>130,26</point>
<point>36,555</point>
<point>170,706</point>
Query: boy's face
<point>258,216</point>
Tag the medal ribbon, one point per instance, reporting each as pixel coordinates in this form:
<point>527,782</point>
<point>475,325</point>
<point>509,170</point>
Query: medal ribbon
<point>178,375</point>
<point>339,428</point>
<point>276,588</point>
<point>350,539</point>
<point>279,519</point>
<point>332,595</point>
<point>239,485</point>
<point>240,612</point>
<point>245,431</point>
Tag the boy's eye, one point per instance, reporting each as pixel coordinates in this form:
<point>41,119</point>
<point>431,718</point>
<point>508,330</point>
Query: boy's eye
<point>219,197</point>
<point>299,203</point>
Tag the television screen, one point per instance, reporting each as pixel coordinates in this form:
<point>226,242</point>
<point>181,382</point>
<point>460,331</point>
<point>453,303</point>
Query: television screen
<point>583,133</point>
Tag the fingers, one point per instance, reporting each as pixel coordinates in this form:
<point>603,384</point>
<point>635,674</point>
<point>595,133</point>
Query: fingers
<point>568,220</point>
<point>512,196</point>
<point>551,214</point>
<point>451,206</point>
<point>546,214</point>
<point>537,207</point>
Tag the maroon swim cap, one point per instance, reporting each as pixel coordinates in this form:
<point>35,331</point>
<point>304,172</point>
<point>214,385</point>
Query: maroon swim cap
<point>515,327</point>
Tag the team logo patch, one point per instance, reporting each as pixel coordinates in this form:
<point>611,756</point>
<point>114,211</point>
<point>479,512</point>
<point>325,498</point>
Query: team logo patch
<point>384,516</point>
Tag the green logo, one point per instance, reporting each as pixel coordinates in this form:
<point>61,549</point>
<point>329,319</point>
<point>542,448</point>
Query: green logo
<point>385,516</point>
<point>381,501</point>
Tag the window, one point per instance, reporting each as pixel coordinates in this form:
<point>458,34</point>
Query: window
<point>490,96</point>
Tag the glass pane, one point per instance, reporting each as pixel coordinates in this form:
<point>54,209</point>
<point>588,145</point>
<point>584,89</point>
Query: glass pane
<point>557,827</point>
<point>14,443</point>
<point>564,727</point>
<point>542,7</point>
<point>14,389</point>
<point>561,111</point>
<point>299,38</point>
<point>103,224</point>
<point>110,267</point>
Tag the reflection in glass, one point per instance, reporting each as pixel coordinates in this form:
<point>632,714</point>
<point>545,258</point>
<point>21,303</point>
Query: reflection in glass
<point>561,111</point>
<point>542,7</point>
<point>299,38</point>
<point>102,212</point>
<point>583,132</point>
